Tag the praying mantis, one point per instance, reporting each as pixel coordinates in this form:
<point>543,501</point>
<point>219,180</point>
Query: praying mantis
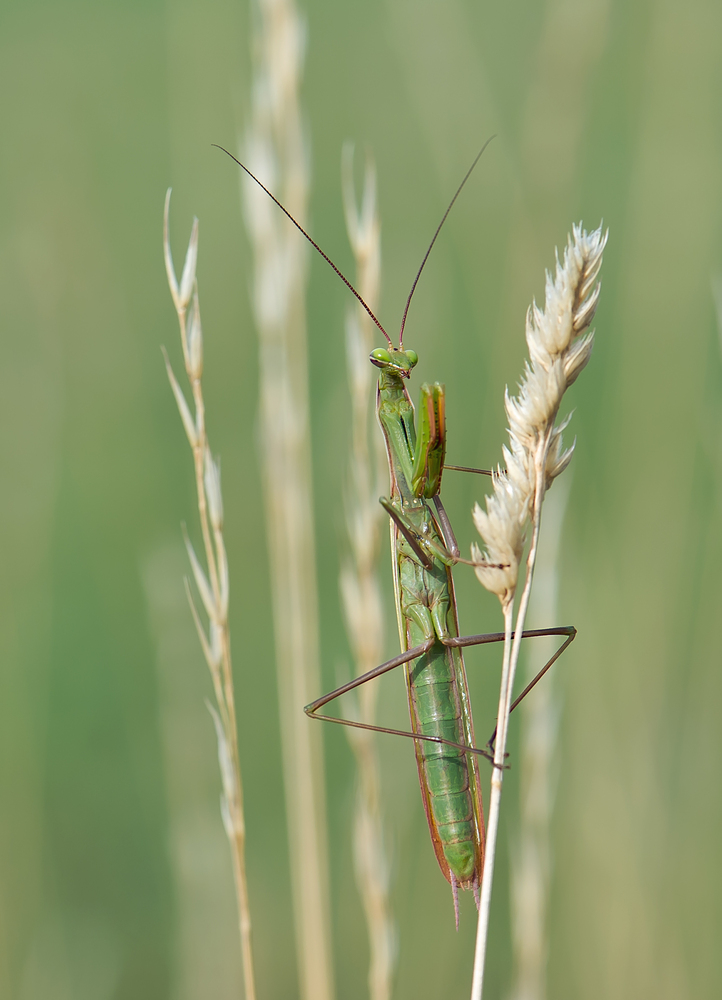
<point>423,552</point>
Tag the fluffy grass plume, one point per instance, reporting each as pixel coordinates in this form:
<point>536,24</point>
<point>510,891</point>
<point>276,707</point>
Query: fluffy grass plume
<point>560,345</point>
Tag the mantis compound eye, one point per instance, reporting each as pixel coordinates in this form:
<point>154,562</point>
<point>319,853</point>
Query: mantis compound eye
<point>380,356</point>
<point>413,358</point>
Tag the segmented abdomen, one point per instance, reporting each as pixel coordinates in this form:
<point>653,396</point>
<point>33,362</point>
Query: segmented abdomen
<point>435,697</point>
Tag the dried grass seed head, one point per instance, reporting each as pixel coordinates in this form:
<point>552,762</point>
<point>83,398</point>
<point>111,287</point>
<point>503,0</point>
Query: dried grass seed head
<point>182,293</point>
<point>212,483</point>
<point>194,341</point>
<point>502,526</point>
<point>560,345</point>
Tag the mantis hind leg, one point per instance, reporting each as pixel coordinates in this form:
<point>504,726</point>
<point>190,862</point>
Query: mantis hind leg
<point>397,661</point>
<point>476,640</point>
<point>312,710</point>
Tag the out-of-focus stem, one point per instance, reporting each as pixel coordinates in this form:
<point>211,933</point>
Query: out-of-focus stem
<point>359,581</point>
<point>276,152</point>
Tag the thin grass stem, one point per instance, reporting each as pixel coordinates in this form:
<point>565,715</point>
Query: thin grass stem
<point>212,582</point>
<point>531,848</point>
<point>487,877</point>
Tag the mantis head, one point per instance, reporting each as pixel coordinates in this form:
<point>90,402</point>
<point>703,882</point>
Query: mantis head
<point>393,362</point>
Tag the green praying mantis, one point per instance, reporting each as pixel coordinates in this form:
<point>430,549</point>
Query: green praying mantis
<point>424,550</point>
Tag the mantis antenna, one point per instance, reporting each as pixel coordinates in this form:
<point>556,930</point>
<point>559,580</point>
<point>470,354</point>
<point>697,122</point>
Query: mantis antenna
<point>313,243</point>
<point>338,271</point>
<point>438,230</point>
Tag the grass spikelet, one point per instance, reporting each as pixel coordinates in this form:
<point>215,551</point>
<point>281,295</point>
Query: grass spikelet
<point>559,347</point>
<point>275,150</point>
<point>359,578</point>
<point>213,582</point>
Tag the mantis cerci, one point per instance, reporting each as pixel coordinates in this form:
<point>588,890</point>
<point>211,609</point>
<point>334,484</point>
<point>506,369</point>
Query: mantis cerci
<point>423,552</point>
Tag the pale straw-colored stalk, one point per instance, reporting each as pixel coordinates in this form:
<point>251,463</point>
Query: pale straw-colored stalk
<point>275,151</point>
<point>359,582</point>
<point>531,848</point>
<point>213,581</point>
<point>560,344</point>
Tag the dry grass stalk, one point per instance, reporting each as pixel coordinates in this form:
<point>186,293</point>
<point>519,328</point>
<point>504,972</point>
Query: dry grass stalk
<point>276,152</point>
<point>560,345</point>
<point>531,852</point>
<point>213,582</point>
<point>359,577</point>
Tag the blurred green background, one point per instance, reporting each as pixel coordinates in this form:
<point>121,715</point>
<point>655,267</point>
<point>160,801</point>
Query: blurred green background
<point>115,878</point>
